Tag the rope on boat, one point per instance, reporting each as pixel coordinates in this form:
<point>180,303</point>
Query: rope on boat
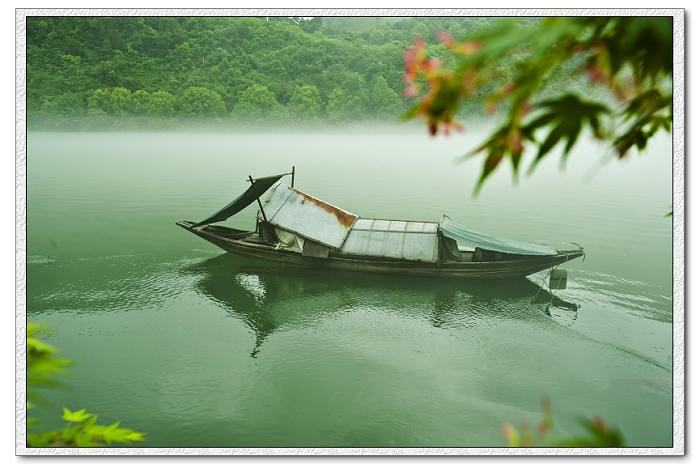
<point>551,269</point>
<point>546,309</point>
<point>558,281</point>
<point>581,249</point>
<point>554,290</point>
<point>543,279</point>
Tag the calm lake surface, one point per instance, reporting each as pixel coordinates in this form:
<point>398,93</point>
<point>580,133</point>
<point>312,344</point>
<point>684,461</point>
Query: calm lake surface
<point>200,348</point>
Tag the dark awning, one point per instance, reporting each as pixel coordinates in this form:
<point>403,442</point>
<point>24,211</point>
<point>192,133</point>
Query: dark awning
<point>256,189</point>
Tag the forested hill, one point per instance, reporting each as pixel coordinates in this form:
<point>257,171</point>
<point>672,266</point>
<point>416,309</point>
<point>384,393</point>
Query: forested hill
<point>264,70</point>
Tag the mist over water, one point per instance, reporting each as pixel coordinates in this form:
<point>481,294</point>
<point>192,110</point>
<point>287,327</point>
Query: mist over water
<point>204,349</point>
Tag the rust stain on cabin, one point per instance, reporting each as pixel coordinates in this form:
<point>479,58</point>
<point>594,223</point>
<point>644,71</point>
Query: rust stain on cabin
<point>345,219</point>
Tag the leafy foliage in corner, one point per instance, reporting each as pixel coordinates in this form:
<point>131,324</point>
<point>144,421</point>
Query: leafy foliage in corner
<point>44,369</point>
<point>598,434</point>
<point>627,60</point>
<point>81,431</point>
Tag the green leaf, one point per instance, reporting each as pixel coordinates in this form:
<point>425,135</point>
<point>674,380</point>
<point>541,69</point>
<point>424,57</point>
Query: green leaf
<point>75,417</point>
<point>572,132</point>
<point>47,439</point>
<point>566,116</point>
<point>85,439</point>
<point>90,422</point>
<point>68,434</point>
<point>110,433</point>
<point>647,103</point>
<point>540,122</point>
<point>124,435</point>
<point>599,435</point>
<point>37,348</point>
<point>34,328</point>
<point>81,429</point>
<point>554,137</point>
<point>87,442</point>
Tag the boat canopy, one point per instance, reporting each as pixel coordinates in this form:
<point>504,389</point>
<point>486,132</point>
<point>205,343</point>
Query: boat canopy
<point>469,237</point>
<point>408,240</point>
<point>256,189</point>
<point>307,216</point>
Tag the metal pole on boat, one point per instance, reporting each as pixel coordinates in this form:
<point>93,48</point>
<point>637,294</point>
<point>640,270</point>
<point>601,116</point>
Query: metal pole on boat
<point>257,197</point>
<point>292,176</point>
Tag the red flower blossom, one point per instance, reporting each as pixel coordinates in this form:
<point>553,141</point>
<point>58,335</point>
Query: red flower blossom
<point>508,88</point>
<point>620,94</point>
<point>600,424</point>
<point>446,38</point>
<point>469,81</point>
<point>525,108</point>
<point>433,128</point>
<point>467,48</point>
<point>411,91</point>
<point>415,60</point>
<point>515,142</point>
<point>596,74</point>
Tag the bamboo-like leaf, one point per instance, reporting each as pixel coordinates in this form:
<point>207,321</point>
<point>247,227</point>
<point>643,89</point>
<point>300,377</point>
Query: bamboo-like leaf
<point>554,137</point>
<point>572,132</point>
<point>567,116</point>
<point>493,158</point>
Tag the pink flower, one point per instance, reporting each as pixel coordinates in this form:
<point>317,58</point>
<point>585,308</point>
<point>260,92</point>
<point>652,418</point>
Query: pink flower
<point>596,74</point>
<point>446,38</point>
<point>600,424</point>
<point>508,89</point>
<point>450,124</point>
<point>411,91</point>
<point>467,48</point>
<point>515,142</point>
<point>490,108</point>
<point>433,64</point>
<point>525,108</point>
<point>469,80</point>
<point>620,94</point>
<point>415,60</point>
<point>433,128</point>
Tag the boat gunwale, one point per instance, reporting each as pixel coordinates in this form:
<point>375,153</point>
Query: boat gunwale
<point>261,249</point>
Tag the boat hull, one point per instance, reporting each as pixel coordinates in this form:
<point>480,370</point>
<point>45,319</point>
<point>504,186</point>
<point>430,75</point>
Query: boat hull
<point>248,244</point>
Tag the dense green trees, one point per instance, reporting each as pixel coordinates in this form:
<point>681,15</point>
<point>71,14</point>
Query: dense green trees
<point>255,103</point>
<point>248,69</point>
<point>200,101</point>
<point>305,103</point>
<point>383,101</point>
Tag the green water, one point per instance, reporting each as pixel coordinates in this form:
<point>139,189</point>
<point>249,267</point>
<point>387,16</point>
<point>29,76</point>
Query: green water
<point>205,349</point>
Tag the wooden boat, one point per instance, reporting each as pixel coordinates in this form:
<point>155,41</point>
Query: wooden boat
<point>295,228</point>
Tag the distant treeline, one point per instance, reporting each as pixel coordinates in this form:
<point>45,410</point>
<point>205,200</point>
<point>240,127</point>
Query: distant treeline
<point>158,71</point>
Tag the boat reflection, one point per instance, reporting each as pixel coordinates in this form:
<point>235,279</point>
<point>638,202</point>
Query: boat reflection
<point>267,297</point>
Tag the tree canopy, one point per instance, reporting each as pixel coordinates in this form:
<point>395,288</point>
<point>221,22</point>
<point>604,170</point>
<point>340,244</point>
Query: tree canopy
<point>147,68</point>
<point>625,99</point>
